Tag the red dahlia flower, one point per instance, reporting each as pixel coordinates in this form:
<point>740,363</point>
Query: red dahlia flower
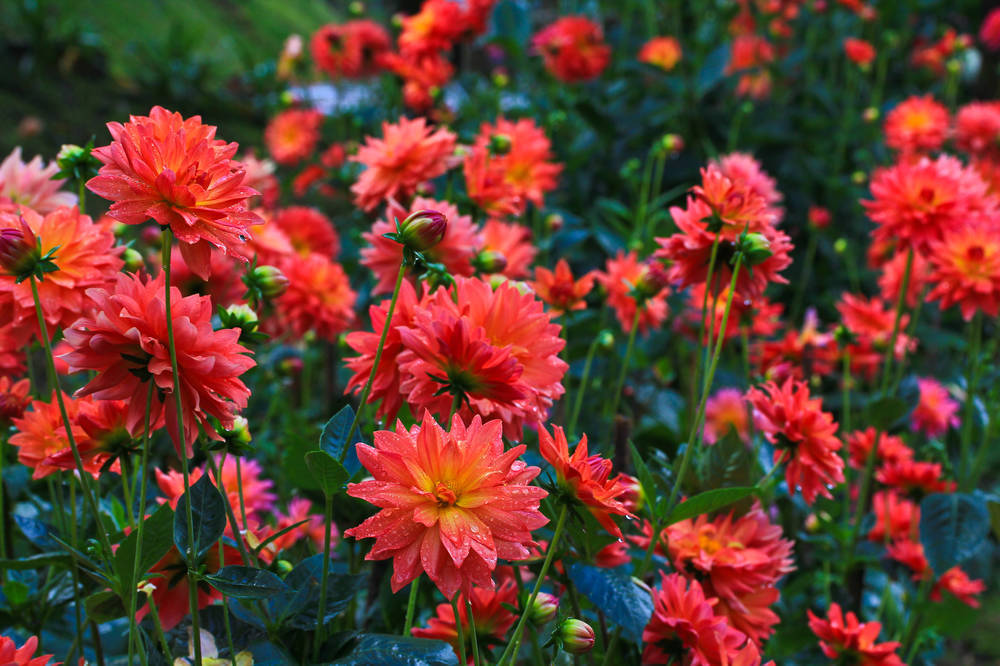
<point>453,503</point>
<point>511,241</point>
<point>11,655</point>
<point>573,48</point>
<point>663,52</point>
<point>176,172</point>
<point>526,163</point>
<point>726,411</point>
<point>936,411</point>
<point>977,129</point>
<point>308,230</point>
<point>291,136</point>
<point>917,125</point>
<point>489,610</point>
<point>318,298</point>
<point>586,478</point>
<point>124,340</point>
<point>619,278</point>
<point>989,31</point>
<point>351,50</point>
<point>559,290</point>
<point>859,51</point>
<point>844,635</point>
<point>966,269</point>
<point>796,423</point>
<point>409,153</point>
<point>891,448</point>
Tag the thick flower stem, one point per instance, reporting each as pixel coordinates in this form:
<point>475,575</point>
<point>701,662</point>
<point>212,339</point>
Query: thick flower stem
<point>461,632</point>
<point>50,367</point>
<point>324,576</point>
<point>378,357</point>
<point>473,638</point>
<point>411,605</point>
<point>509,655</point>
<point>167,241</point>
<point>133,637</point>
<point>695,435</point>
<point>620,386</point>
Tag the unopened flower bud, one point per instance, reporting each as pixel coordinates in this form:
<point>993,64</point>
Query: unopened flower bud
<point>76,162</point>
<point>606,339</point>
<point>633,497</point>
<point>271,280</point>
<point>812,523</point>
<point>554,221</point>
<point>840,245</point>
<point>672,143</point>
<point>870,114</point>
<point>819,217</point>
<point>577,636</point>
<point>284,566</point>
<point>133,259</point>
<point>543,609</point>
<point>489,261</point>
<point>422,230</point>
<point>500,78</point>
<point>499,144</point>
<point>21,253</point>
<point>859,177</point>
<point>756,248</point>
<point>652,280</point>
<point>356,8</point>
<point>236,438</point>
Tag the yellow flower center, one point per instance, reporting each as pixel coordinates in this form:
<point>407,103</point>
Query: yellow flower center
<point>445,495</point>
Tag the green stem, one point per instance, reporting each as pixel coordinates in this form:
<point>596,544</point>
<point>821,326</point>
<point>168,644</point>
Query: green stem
<point>127,493</point>
<point>133,637</point>
<point>378,357</point>
<point>800,287</point>
<point>909,644</point>
<point>461,632</point>
<point>509,655</point>
<point>158,626</point>
<point>697,431</point>
<point>845,422</point>
<point>324,576</point>
<point>972,380</point>
<point>239,493</point>
<point>584,380</point>
<point>411,605</point>
<point>625,361</point>
<point>167,244</point>
<point>81,197</point>
<point>474,639</point>
<point>704,313</point>
<point>890,352</point>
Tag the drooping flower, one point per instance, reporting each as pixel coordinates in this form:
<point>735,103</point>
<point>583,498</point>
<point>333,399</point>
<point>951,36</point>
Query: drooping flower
<point>739,560</point>
<point>350,50</point>
<point>859,51</point>
<point>685,628</point>
<point>917,125</point>
<point>966,268</point>
<point>559,290</point>
<point>455,251</point>
<point>124,340</point>
<point>513,242</point>
<point>977,129</point>
<point>409,153</point>
<point>318,298</point>
<point>619,279</point>
<point>585,478</point>
<point>663,52</point>
<point>936,411</point>
<point>176,172</point>
<point>489,610</point>
<point>801,431</point>
<point>452,503</point>
<point>841,634</point>
<point>726,411</point>
<point>11,655</point>
<point>573,48</point>
<point>291,136</point>
<point>914,203</point>
<point>308,230</point>
<point>31,185</point>
<point>84,254</point>
<point>526,163</point>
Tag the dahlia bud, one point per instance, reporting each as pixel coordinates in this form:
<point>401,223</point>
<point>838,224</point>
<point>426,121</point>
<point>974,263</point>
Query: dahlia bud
<point>489,261</point>
<point>21,254</point>
<point>421,230</point>
<point>870,114</point>
<point>756,248</point>
<point>576,636</point>
<point>76,162</point>
<point>819,217</point>
<point>242,317</point>
<point>499,144</point>
<point>356,8</point>
<point>554,222</point>
<point>843,336</point>
<point>263,284</point>
<point>133,259</point>
<point>840,245</point>
<point>500,78</point>
<point>606,339</point>
<point>632,497</point>
<point>672,143</point>
<point>236,438</point>
<point>859,177</point>
<point>652,280</point>
<point>543,609</point>
<point>284,567</point>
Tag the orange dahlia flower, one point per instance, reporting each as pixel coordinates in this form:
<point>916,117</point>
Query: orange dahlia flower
<point>86,255</point>
<point>41,433</point>
<point>559,290</point>
<point>586,478</point>
<point>663,52</point>
<point>917,125</point>
<point>966,269</point>
<point>489,611</point>
<point>739,560</point>
<point>423,75</point>
<point>455,251</point>
<point>798,353</point>
<point>746,169</point>
<point>839,634</point>
<point>913,476</point>
<point>175,171</point>
<point>291,136</point>
<point>871,321</point>
<point>526,163</point>
<point>436,27</point>
<point>308,230</point>
<point>15,396</point>
<point>800,430</point>
<point>914,203</point>
<point>351,50</point>
<point>11,655</point>
<point>124,340</point>
<point>618,279</point>
<point>487,185</point>
<point>453,503</point>
<point>573,48</point>
<point>31,185</point>
<point>936,411</point>
<point>685,629</point>
<point>409,153</point>
<point>319,298</point>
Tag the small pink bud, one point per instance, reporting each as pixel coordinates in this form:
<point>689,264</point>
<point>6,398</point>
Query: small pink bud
<point>577,636</point>
<point>423,229</point>
<point>543,609</point>
<point>490,261</point>
<point>652,280</point>
<point>17,249</point>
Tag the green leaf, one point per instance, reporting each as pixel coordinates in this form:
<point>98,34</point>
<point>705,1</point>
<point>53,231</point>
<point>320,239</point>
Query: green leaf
<point>333,439</point>
<point>35,561</point>
<point>297,605</point>
<point>104,606</point>
<point>953,527</point>
<point>156,541</point>
<point>209,519</point>
<point>277,535</point>
<point>617,595</point>
<point>246,582</point>
<point>329,473</point>
<point>386,650</point>
<point>645,480</point>
<point>710,500</point>
<point>994,509</point>
<point>886,412</point>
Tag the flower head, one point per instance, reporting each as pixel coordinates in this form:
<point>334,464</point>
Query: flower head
<point>31,185</point>
<point>409,153</point>
<point>989,31</point>
<point>489,611</point>
<point>797,425</point>
<point>891,448</point>
<point>841,634</point>
<point>977,129</point>
<point>935,412</point>
<point>350,50</point>
<point>663,52</point>
<point>318,298</point>
<point>291,136</point>
<point>257,496</point>
<point>586,478</point>
<point>966,269</point>
<point>726,411</point>
<point>527,165</point>
<point>124,340</point>
<point>452,503</point>
<point>512,242</point>
<point>619,279</point>
<point>917,125</point>
<point>573,48</point>
<point>859,51</point>
<point>11,655</point>
<point>559,290</point>
<point>308,230</point>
